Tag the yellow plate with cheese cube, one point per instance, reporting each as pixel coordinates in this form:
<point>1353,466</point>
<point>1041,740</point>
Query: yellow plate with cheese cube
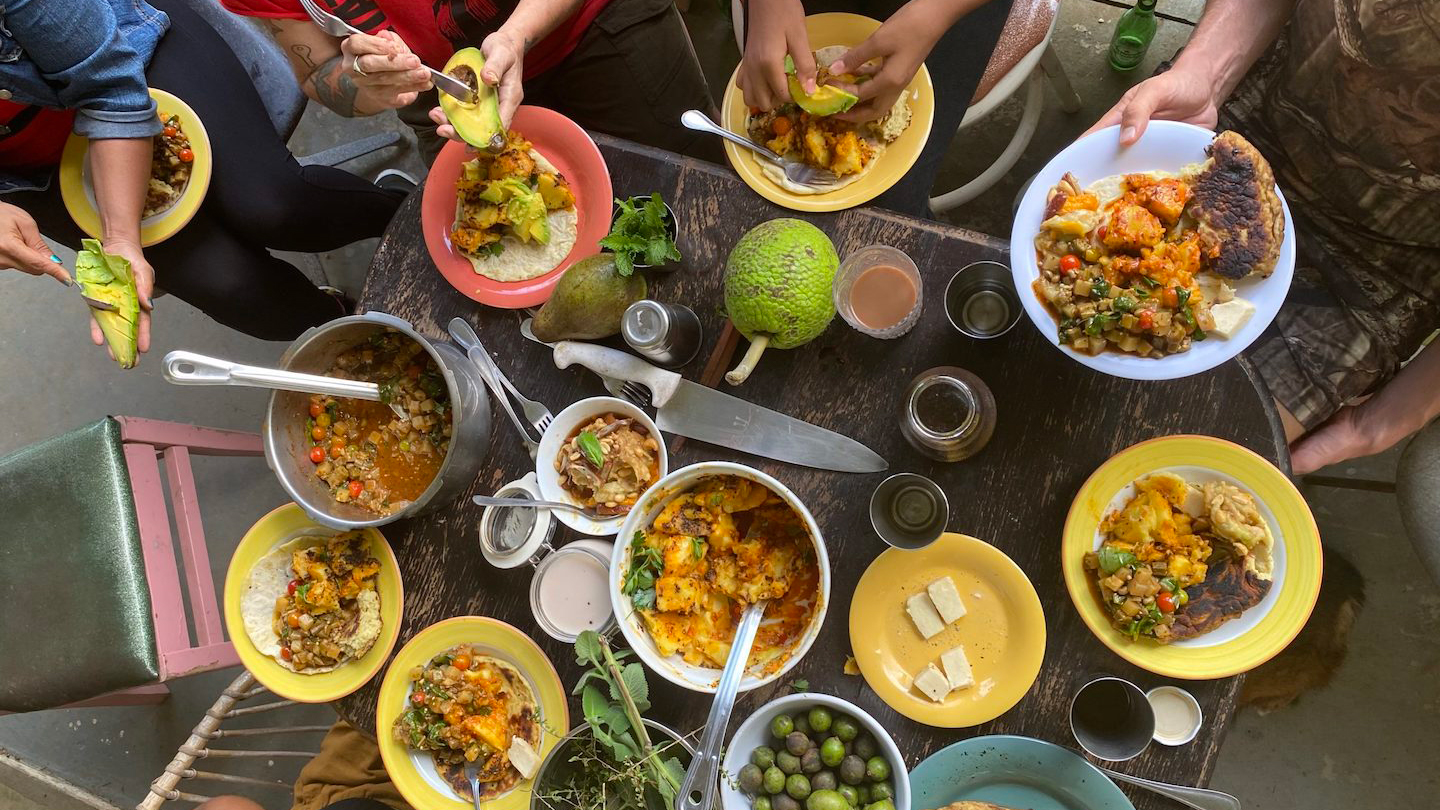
<point>1001,634</point>
<point>413,771</point>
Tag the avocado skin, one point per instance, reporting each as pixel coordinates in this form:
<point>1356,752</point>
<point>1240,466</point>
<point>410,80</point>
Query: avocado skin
<point>478,122</point>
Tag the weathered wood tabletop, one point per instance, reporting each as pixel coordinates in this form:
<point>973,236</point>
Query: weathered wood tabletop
<point>1057,422</point>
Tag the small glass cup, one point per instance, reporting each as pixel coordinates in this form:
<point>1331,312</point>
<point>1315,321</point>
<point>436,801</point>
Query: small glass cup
<point>981,301</point>
<point>862,260</point>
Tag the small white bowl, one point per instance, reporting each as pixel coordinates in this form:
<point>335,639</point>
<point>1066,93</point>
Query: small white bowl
<point>755,732</point>
<point>560,429</point>
<point>1188,699</point>
<point>674,668</point>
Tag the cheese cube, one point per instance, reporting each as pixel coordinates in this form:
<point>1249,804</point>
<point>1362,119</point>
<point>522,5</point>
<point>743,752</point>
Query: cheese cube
<point>957,668</point>
<point>946,598</point>
<point>523,756</point>
<point>1231,316</point>
<point>922,612</point>
<point>932,683</point>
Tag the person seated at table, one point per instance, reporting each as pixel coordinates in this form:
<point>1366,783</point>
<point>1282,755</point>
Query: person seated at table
<point>1344,105</point>
<point>84,66</point>
<point>347,774</point>
<point>623,67</point>
<point>954,39</point>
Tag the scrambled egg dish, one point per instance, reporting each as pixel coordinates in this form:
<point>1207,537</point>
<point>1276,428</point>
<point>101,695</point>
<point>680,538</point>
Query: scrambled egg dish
<point>724,543</point>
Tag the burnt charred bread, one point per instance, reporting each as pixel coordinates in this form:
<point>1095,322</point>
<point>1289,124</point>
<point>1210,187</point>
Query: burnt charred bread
<point>1237,209</point>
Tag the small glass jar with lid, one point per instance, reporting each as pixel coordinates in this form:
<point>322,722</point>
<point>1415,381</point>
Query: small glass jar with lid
<point>947,413</point>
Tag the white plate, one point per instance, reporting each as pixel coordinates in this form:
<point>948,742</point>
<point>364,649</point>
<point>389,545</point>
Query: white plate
<point>1166,145</point>
<point>1251,618</point>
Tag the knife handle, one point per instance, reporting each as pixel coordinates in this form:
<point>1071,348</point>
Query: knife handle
<point>608,362</point>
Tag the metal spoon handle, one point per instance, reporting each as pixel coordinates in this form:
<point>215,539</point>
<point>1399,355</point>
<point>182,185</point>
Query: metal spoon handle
<point>1198,798</point>
<point>490,500</point>
<point>700,122</point>
<point>189,368</point>
<point>703,776</point>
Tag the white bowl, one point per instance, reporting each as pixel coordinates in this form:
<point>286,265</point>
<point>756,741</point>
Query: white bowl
<point>560,429</point>
<point>674,668</point>
<point>755,732</point>
<point>1167,145</point>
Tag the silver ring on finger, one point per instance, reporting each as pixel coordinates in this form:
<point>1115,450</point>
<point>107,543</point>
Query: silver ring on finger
<point>355,67</point>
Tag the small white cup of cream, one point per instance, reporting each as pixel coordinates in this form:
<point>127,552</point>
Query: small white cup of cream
<point>1177,715</point>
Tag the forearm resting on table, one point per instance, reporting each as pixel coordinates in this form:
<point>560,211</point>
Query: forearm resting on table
<point>121,168</point>
<point>1230,36</point>
<point>533,19</point>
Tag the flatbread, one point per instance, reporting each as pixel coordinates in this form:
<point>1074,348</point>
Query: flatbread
<point>524,723</point>
<point>522,261</point>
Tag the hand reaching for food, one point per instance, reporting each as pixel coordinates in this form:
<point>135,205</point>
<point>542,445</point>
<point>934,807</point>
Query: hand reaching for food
<point>890,57</point>
<point>22,248</point>
<point>1175,95</point>
<point>774,29</point>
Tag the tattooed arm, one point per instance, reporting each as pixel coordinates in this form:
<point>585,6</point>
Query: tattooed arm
<point>325,67</point>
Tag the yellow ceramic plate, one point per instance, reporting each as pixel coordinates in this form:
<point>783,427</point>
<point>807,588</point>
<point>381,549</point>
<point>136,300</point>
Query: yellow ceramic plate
<point>413,771</point>
<point>281,526</point>
<point>1242,643</point>
<point>836,28</point>
<point>79,195</point>
<point>1003,630</point>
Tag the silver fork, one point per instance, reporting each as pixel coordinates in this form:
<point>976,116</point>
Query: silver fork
<point>535,412</point>
<point>637,394</point>
<point>795,171</point>
<point>336,27</point>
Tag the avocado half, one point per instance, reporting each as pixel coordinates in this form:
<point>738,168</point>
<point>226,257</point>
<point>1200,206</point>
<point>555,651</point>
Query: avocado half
<point>478,121</point>
<point>826,100</point>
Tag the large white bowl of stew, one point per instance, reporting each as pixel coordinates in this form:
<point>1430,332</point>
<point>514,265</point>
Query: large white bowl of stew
<point>601,453</point>
<point>352,463</point>
<point>1166,146</point>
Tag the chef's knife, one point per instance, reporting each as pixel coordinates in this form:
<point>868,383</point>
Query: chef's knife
<point>697,412</point>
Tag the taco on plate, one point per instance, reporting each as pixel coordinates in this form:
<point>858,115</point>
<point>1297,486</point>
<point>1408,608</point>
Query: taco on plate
<point>806,130</point>
<point>514,213</point>
<point>311,603</point>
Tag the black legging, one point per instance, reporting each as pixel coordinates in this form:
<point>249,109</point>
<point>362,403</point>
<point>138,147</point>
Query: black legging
<point>259,198</point>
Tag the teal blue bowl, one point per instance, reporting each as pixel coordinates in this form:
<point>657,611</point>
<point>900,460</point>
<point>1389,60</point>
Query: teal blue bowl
<point>1013,772</point>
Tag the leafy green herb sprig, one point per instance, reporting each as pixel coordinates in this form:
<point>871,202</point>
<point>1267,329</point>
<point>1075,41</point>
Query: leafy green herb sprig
<point>641,235</point>
<point>646,565</point>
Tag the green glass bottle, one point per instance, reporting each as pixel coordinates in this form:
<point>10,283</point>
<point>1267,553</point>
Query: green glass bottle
<point>1133,33</point>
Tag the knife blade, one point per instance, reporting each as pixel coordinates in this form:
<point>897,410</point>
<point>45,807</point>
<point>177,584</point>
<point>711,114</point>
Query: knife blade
<point>707,415</point>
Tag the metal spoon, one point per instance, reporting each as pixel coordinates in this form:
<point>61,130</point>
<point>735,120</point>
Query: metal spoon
<point>189,368</point>
<point>698,790</point>
<point>490,500</point>
<point>1198,798</point>
<point>795,171</point>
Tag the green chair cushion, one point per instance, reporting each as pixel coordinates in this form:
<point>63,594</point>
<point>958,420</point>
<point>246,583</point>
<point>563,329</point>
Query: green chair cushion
<point>75,621</point>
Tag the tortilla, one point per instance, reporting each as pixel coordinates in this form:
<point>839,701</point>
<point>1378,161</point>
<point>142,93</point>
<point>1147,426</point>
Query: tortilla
<point>524,723</point>
<point>522,261</point>
<point>267,582</point>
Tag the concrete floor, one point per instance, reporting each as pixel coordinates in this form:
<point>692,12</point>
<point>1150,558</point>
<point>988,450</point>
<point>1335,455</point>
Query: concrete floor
<point>1365,740</point>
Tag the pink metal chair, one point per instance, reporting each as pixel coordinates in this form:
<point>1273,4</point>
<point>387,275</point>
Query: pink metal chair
<point>89,544</point>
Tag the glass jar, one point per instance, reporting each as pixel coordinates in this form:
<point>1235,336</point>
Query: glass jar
<point>948,413</point>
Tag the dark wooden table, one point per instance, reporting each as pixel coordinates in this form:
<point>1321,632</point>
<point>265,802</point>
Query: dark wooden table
<point>1057,422</point>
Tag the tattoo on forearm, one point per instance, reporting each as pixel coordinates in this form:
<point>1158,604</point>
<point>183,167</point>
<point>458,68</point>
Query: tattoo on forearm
<point>302,52</point>
<point>333,86</point>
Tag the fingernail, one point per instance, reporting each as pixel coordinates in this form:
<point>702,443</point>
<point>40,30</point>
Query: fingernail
<point>67,282</point>
<point>1127,134</point>
<point>54,258</point>
<point>837,67</point>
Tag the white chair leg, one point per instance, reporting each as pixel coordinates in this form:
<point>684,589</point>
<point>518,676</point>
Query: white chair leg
<point>1059,79</point>
<point>1034,103</point>
<point>737,20</point>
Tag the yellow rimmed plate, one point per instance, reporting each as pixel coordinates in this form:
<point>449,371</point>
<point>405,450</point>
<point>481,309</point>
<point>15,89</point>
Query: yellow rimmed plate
<point>413,771</point>
<point>282,525</point>
<point>835,28</point>
<point>1003,630</point>
<point>1244,642</point>
<point>79,195</point>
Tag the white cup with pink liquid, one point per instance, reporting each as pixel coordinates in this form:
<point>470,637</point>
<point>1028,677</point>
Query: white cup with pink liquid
<point>879,292</point>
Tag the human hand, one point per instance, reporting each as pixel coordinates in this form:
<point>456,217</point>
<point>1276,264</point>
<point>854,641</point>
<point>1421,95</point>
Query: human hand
<point>901,45</point>
<point>504,70</point>
<point>389,74</point>
<point>1344,436</point>
<point>1178,94</point>
<point>21,247</point>
<point>144,286</point>
<point>773,30</point>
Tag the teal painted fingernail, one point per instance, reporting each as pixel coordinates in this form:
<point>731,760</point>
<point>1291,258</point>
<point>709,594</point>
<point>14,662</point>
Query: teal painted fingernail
<point>54,258</point>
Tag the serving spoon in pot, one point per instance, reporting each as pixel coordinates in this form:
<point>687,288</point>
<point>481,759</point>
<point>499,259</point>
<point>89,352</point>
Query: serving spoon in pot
<point>189,368</point>
<point>697,792</point>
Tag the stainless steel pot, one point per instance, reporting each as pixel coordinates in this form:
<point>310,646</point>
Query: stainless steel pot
<point>559,757</point>
<point>287,447</point>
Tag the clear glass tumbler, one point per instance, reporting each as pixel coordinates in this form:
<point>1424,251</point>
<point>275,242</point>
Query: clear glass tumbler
<point>878,295</point>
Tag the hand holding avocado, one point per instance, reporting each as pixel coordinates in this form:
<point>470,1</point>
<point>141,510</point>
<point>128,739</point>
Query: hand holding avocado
<point>892,55</point>
<point>117,274</point>
<point>497,70</point>
<point>775,29</point>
